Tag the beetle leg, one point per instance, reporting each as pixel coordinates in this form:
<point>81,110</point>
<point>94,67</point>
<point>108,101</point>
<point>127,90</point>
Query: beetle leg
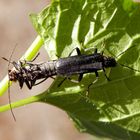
<point>95,51</point>
<point>77,50</point>
<point>97,77</point>
<point>34,58</point>
<point>105,74</point>
<point>62,82</point>
<point>33,82</point>
<point>40,82</point>
<point>28,84</point>
<point>20,81</point>
<point>52,77</point>
<point>80,77</point>
<point>74,81</point>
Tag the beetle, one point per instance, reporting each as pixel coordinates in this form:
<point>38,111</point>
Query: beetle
<point>33,74</point>
<point>29,73</point>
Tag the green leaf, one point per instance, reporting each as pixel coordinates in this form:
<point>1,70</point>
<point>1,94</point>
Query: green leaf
<point>111,108</point>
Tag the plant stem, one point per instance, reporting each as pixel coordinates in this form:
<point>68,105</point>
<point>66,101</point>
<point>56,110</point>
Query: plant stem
<point>29,54</point>
<point>22,102</point>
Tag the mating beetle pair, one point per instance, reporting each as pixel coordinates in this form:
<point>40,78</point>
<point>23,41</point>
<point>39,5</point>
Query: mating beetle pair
<point>29,73</point>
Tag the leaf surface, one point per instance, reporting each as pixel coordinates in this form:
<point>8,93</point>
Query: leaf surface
<point>111,108</point>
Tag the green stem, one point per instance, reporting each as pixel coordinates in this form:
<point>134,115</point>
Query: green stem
<point>29,54</point>
<point>22,102</point>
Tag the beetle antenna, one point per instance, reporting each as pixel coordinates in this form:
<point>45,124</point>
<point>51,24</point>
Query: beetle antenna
<point>123,64</point>
<point>129,67</point>
<point>6,60</point>
<point>9,97</point>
